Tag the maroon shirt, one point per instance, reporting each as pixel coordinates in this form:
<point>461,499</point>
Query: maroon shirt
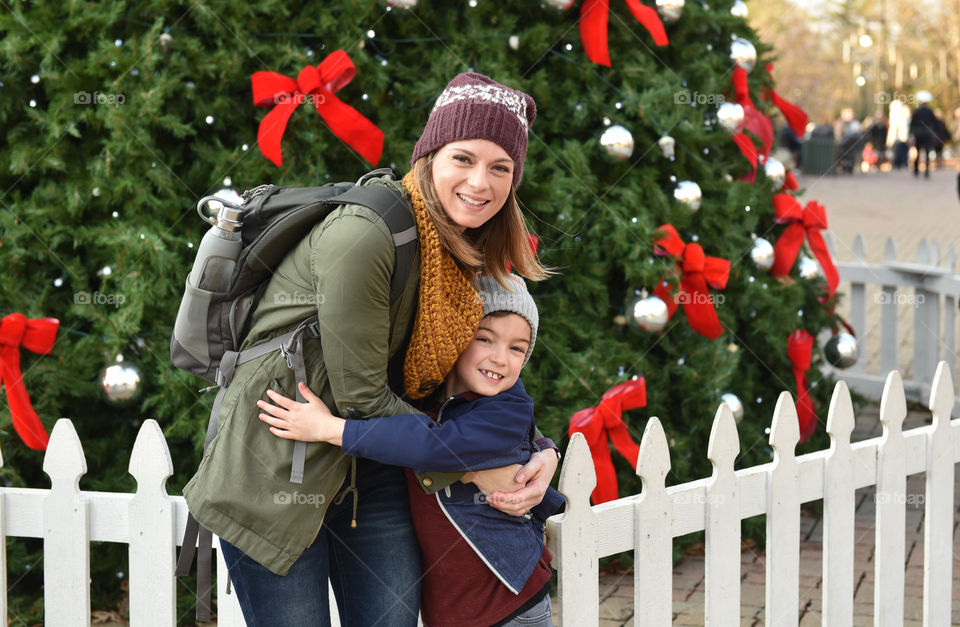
<point>458,589</point>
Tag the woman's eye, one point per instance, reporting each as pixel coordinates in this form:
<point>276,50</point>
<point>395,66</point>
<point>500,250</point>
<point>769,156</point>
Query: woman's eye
<point>502,168</point>
<point>461,158</point>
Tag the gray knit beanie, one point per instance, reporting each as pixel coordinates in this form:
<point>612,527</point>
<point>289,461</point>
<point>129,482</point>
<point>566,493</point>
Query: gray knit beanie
<point>518,300</point>
<point>474,106</point>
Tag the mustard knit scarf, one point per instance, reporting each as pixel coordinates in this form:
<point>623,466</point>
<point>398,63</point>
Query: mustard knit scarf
<point>448,311</point>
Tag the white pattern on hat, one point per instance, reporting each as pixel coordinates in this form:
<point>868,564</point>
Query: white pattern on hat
<point>490,93</point>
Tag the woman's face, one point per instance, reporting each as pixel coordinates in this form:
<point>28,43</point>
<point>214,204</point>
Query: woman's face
<point>472,178</point>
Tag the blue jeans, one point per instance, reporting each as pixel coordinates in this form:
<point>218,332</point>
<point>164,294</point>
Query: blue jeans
<point>540,615</point>
<point>374,569</point>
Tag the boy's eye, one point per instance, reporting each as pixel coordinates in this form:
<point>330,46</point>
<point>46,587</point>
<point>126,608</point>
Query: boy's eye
<point>519,349</point>
<point>482,339</point>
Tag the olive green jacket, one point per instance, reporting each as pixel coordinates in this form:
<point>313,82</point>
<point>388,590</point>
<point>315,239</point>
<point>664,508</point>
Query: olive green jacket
<point>341,271</point>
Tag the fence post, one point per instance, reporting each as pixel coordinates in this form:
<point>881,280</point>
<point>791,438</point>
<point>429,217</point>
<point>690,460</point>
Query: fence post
<point>858,305</point>
<point>578,587</point>
<point>783,518</point>
<point>66,531</point>
<point>926,324</point>
<point>938,515</point>
<point>3,554</point>
<point>891,507</point>
<point>838,512</point>
<point>889,339</point>
<point>949,315</point>
<point>722,563</point>
<point>653,530</point>
<point>153,592</point>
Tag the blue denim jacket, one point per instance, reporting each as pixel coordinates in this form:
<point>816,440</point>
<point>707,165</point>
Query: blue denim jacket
<point>469,434</point>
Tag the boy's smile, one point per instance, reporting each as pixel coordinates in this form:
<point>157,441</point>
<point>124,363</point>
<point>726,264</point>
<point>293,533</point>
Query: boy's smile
<point>492,361</point>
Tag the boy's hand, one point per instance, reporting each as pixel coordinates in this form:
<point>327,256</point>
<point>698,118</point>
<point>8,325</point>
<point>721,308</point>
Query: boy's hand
<point>307,422</point>
<point>536,476</point>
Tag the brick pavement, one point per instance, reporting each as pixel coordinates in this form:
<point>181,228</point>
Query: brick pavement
<point>875,205</point>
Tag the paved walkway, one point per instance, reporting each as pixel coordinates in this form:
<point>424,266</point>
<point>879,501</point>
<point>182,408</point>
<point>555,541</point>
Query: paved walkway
<point>876,205</point>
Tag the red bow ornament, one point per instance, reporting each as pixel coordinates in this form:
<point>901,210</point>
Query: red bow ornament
<point>316,84</point>
<point>753,121</point>
<point>37,336</point>
<point>698,271</point>
<point>795,116</point>
<point>606,421</point>
<point>594,15</point>
<point>800,351</point>
<point>802,221</point>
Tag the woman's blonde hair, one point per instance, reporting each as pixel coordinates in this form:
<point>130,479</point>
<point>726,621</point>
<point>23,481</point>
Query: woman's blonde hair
<point>499,244</point>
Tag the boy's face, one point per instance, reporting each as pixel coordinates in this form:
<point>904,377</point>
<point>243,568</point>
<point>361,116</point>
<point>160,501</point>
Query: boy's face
<point>492,361</point>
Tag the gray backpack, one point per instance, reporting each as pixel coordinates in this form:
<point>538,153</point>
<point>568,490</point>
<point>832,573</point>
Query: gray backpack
<point>234,264</point>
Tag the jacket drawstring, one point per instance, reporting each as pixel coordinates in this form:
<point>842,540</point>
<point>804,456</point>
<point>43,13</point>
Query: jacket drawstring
<point>352,488</point>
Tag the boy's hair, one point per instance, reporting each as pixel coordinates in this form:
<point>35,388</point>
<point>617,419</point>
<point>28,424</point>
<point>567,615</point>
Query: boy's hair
<point>496,298</point>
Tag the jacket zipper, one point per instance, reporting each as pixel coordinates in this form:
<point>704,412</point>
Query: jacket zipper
<point>442,407</point>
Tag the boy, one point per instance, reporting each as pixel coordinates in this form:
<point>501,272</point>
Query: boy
<point>500,573</point>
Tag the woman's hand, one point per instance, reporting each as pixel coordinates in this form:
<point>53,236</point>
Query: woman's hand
<point>307,422</point>
<point>532,481</point>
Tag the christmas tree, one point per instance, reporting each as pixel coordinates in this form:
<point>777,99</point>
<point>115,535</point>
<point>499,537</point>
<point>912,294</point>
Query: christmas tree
<point>119,117</point>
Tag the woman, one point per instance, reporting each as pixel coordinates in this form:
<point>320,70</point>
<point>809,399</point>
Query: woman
<point>282,541</point>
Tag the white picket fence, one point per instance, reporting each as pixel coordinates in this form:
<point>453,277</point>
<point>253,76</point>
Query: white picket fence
<point>151,522</point>
<point>647,522</point>
<point>929,287</point>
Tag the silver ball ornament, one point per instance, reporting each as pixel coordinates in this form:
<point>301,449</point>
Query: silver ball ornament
<point>731,115</point>
<point>562,5</point>
<point>667,144</point>
<point>402,4</point>
<point>775,171</point>
<point>689,194</point>
<point>736,407</point>
<point>739,9</point>
<point>670,10</point>
<point>120,382</point>
<point>809,268</point>
<point>743,53</point>
<point>650,314</point>
<point>762,254</point>
<point>617,141</point>
<point>841,350</point>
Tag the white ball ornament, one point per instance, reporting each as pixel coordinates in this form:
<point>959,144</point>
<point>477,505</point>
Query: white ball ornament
<point>617,141</point>
<point>736,407</point>
<point>650,314</point>
<point>670,10</point>
<point>120,382</point>
<point>841,350</point>
<point>775,171</point>
<point>762,254</point>
<point>689,194</point>
<point>739,9</point>
<point>743,53</point>
<point>731,115</point>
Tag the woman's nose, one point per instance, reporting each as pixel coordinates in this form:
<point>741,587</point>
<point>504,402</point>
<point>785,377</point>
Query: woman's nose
<point>478,178</point>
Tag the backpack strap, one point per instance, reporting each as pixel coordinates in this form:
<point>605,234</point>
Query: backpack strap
<point>392,207</point>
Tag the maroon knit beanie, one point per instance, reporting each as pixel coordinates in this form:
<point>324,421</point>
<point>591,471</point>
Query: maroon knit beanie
<point>473,106</point>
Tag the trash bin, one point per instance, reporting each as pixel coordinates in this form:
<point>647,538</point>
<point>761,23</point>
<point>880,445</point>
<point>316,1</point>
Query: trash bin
<point>819,154</point>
